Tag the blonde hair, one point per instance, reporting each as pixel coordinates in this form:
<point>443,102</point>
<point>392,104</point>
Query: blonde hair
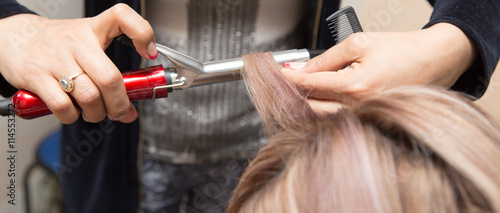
<point>409,149</point>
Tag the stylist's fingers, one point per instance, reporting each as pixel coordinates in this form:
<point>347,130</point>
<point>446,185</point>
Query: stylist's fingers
<point>108,80</point>
<point>131,116</point>
<point>121,19</point>
<point>336,58</point>
<point>332,73</point>
<point>329,84</point>
<point>89,98</point>
<point>56,100</point>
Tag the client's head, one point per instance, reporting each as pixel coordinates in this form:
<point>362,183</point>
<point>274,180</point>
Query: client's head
<point>410,149</point>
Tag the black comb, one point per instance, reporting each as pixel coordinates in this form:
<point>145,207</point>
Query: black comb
<point>343,23</point>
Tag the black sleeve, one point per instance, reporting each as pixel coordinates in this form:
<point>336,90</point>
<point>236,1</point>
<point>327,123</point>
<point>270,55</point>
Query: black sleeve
<point>8,8</point>
<point>480,21</point>
<point>11,7</point>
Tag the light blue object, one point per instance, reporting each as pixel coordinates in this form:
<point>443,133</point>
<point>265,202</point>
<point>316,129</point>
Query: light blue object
<point>49,150</point>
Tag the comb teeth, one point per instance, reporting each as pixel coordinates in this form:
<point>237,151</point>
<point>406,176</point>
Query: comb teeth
<point>343,23</point>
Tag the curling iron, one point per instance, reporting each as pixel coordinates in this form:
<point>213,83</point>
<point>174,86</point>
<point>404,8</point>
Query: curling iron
<point>156,81</point>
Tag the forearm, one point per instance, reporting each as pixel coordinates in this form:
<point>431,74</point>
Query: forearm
<point>479,21</point>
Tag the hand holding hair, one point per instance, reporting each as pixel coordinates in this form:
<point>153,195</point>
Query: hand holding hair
<point>369,63</point>
<point>37,51</point>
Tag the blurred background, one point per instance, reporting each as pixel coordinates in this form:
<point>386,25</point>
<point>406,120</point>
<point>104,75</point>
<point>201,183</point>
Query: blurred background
<point>409,15</point>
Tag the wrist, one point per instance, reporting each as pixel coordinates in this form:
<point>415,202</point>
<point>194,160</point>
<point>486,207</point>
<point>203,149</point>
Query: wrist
<point>453,51</point>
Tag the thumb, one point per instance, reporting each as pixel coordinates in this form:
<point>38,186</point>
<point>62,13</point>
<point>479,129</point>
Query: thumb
<point>121,19</point>
<point>336,58</point>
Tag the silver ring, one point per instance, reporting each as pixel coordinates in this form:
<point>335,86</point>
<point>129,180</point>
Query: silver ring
<point>67,82</point>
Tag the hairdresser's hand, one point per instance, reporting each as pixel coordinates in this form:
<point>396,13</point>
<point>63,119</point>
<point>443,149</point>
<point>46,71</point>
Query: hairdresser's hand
<point>380,61</point>
<point>36,52</point>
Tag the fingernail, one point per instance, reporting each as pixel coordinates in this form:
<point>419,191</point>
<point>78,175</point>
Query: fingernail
<point>294,65</point>
<point>152,52</point>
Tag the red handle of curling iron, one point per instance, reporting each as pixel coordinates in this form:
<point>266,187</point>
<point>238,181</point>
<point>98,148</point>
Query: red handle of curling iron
<point>138,83</point>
